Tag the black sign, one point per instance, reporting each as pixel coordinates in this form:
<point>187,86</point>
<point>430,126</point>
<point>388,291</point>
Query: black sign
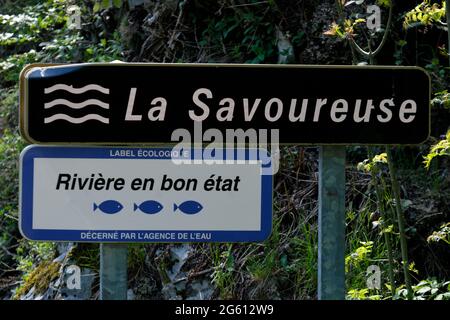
<point>120,103</point>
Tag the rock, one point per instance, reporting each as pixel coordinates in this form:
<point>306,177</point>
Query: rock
<point>200,290</point>
<point>130,295</point>
<point>71,290</point>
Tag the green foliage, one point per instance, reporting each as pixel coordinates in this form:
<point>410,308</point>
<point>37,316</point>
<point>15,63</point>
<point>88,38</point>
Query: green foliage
<point>244,35</point>
<point>105,51</point>
<point>32,24</point>
<point>100,5</point>
<point>442,148</point>
<point>358,256</point>
<point>31,253</point>
<point>384,3</point>
<point>429,289</point>
<point>347,29</point>
<point>362,294</point>
<point>136,256</point>
<point>300,262</point>
<point>11,145</point>
<point>10,67</point>
<point>438,73</point>
<point>443,234</point>
<point>9,107</point>
<point>441,98</point>
<point>62,49</point>
<point>375,163</point>
<point>86,255</point>
<point>222,276</point>
<point>400,45</point>
<point>426,14</point>
<point>43,28</point>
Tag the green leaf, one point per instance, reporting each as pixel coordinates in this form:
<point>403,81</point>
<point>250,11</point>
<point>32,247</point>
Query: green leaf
<point>96,7</point>
<point>106,4</point>
<point>117,3</point>
<point>423,290</point>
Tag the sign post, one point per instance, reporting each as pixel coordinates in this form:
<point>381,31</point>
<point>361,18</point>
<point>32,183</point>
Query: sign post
<point>331,273</point>
<point>113,271</point>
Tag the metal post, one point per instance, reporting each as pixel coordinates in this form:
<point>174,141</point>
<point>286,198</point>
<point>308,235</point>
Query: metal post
<point>113,271</point>
<point>331,273</point>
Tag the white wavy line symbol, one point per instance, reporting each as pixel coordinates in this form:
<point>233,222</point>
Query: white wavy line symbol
<point>65,117</point>
<point>73,105</point>
<point>71,89</point>
<point>76,105</point>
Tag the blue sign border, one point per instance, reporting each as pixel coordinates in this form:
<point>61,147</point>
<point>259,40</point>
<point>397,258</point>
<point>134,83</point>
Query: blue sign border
<point>26,197</point>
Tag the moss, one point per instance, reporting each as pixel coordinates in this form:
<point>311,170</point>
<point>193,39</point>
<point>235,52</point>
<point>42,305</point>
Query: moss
<point>40,278</point>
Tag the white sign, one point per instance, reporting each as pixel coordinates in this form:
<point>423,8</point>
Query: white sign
<point>141,195</point>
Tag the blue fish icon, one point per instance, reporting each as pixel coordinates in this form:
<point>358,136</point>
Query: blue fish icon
<point>149,207</point>
<point>109,206</point>
<point>188,207</point>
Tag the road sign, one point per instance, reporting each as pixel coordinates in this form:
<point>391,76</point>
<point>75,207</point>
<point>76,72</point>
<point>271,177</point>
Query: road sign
<point>144,195</point>
<point>121,103</point>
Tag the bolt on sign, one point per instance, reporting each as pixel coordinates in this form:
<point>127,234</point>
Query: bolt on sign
<point>123,103</point>
<point>144,195</point>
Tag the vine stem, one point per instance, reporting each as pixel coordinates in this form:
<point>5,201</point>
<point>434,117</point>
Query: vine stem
<point>372,54</point>
<point>387,238</point>
<point>400,220</point>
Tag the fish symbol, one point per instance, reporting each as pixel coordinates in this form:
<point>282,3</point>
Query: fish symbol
<point>149,207</point>
<point>109,206</point>
<point>188,207</point>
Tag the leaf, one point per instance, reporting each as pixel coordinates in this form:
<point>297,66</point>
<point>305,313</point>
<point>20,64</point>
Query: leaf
<point>96,7</point>
<point>423,290</point>
<point>117,3</point>
<point>106,4</point>
<point>422,283</point>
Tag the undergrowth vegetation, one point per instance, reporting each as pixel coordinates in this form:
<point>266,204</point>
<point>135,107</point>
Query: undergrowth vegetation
<point>314,32</point>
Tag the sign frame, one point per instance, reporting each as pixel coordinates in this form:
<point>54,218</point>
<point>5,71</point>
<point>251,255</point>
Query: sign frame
<point>23,114</point>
